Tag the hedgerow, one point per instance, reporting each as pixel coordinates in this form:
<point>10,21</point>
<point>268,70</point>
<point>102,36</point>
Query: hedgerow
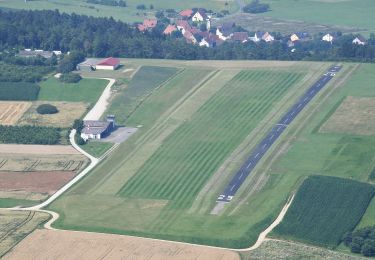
<point>29,135</point>
<point>18,91</point>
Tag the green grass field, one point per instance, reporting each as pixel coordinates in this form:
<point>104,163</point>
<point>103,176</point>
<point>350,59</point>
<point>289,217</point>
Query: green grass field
<point>217,128</point>
<point>352,13</point>
<point>127,14</point>
<point>324,209</point>
<point>96,149</point>
<point>144,82</point>
<point>9,203</point>
<point>87,90</point>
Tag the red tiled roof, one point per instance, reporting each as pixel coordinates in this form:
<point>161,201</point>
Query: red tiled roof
<point>141,27</point>
<point>184,24</point>
<point>150,23</point>
<point>186,13</point>
<point>109,62</point>
<point>170,28</point>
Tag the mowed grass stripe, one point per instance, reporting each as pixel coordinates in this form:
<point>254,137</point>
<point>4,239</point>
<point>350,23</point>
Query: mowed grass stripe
<point>180,140</point>
<point>202,156</point>
<point>171,149</point>
<point>191,154</point>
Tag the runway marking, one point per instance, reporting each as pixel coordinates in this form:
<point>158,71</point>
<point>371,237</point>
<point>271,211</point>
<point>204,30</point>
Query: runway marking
<point>248,166</point>
<point>240,176</point>
<point>256,156</point>
<point>265,145</point>
<point>306,98</point>
<point>272,136</point>
<point>233,187</point>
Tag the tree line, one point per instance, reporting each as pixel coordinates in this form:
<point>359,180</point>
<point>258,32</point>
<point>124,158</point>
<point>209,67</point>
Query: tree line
<point>29,135</point>
<point>102,37</point>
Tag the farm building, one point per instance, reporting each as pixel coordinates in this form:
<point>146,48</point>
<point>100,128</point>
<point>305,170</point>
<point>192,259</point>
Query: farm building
<point>94,129</point>
<point>87,65</point>
<point>108,64</point>
<point>28,53</point>
<point>95,64</point>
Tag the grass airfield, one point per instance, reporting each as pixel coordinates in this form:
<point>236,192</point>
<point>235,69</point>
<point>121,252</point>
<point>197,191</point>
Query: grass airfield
<point>196,130</point>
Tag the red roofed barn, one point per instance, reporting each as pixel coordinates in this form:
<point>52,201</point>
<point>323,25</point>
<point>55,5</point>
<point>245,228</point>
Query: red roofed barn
<point>170,29</point>
<point>108,64</point>
<point>147,24</point>
<point>186,13</point>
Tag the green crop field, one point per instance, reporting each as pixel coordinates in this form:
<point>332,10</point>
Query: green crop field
<point>324,209</point>
<point>143,84</point>
<point>127,14</point>
<point>87,90</point>
<point>352,13</point>
<point>18,91</point>
<point>191,125</point>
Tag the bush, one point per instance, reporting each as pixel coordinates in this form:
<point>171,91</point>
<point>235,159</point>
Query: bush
<point>256,7</point>
<point>19,91</point>
<point>361,241</point>
<point>70,78</point>
<point>29,135</point>
<point>47,109</point>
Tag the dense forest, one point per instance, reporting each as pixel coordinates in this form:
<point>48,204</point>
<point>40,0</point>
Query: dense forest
<point>101,37</point>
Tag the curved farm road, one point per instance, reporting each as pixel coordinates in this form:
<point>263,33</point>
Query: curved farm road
<point>100,107</point>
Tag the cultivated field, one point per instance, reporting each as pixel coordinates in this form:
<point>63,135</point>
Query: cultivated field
<point>352,13</point>
<point>11,111</point>
<point>50,244</point>
<point>41,162</point>
<point>35,182</point>
<point>144,82</point>
<point>355,115</point>
<point>126,14</point>
<point>324,209</point>
<point>16,225</point>
<point>275,249</point>
<point>36,149</point>
<point>191,125</point>
<point>68,112</point>
<point>87,90</point>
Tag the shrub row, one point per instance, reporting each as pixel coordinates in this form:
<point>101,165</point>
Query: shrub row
<point>29,135</point>
<point>17,73</point>
<point>19,91</point>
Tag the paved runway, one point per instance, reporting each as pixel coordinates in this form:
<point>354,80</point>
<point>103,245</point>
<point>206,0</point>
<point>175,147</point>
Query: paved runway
<point>272,136</point>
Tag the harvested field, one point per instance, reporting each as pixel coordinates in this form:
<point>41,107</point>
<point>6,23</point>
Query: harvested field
<point>22,195</point>
<point>12,111</point>
<point>355,115</point>
<point>15,225</point>
<point>37,149</point>
<point>68,112</point>
<point>53,244</point>
<point>30,162</point>
<point>40,182</point>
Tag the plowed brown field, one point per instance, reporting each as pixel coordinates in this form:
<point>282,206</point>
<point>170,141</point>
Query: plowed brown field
<point>40,182</point>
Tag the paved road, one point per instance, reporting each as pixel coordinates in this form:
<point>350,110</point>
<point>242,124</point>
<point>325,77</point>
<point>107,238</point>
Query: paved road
<point>272,136</point>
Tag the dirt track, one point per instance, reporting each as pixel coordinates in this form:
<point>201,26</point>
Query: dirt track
<point>41,182</point>
<point>54,244</point>
<point>37,149</point>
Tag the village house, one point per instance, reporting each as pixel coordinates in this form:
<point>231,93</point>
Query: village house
<point>170,29</point>
<point>328,38</point>
<point>186,14</point>
<point>183,26</point>
<point>94,129</point>
<point>299,36</point>
<point>212,40</point>
<point>190,38</point>
<point>225,31</point>
<point>257,36</point>
<point>240,37</point>
<point>359,40</point>
<point>267,37</point>
<point>28,53</point>
<point>147,24</point>
<point>200,16</point>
